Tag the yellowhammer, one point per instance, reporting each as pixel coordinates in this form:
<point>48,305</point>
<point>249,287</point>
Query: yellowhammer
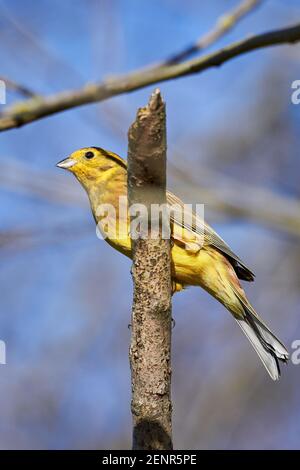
<point>210,264</point>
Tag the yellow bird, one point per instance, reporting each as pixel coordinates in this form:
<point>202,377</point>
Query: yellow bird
<point>196,261</point>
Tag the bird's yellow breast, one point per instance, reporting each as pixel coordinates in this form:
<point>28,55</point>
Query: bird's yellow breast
<point>188,268</point>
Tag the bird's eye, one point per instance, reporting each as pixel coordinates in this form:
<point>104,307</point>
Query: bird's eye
<point>89,155</point>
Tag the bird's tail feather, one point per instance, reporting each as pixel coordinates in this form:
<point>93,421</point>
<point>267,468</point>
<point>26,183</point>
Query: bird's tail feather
<point>268,347</point>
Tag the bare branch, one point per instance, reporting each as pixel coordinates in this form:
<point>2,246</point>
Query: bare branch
<point>26,179</point>
<point>18,239</point>
<point>32,110</point>
<point>150,349</point>
<point>240,200</point>
<point>221,194</point>
<point>223,25</point>
<point>21,89</point>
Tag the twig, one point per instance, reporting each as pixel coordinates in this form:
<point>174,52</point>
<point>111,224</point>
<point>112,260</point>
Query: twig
<point>150,349</point>
<point>32,110</point>
<point>280,212</point>
<point>240,200</point>
<point>21,89</point>
<point>223,25</point>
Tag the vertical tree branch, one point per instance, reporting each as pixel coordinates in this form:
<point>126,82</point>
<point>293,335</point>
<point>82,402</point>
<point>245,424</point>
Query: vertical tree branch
<point>150,349</point>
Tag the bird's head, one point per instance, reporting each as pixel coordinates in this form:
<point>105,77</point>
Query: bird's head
<point>90,164</point>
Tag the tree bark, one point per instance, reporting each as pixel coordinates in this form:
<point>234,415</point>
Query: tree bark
<point>150,349</point>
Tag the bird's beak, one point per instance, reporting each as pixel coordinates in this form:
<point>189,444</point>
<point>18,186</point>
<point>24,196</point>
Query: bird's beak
<point>67,163</point>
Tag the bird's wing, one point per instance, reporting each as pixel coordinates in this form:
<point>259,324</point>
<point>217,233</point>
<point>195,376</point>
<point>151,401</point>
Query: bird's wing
<point>195,233</point>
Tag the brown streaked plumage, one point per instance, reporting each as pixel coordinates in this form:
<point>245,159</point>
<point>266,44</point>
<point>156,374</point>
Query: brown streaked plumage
<point>199,256</point>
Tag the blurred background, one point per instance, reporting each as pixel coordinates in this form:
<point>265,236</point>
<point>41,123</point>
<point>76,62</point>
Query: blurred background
<point>233,140</point>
